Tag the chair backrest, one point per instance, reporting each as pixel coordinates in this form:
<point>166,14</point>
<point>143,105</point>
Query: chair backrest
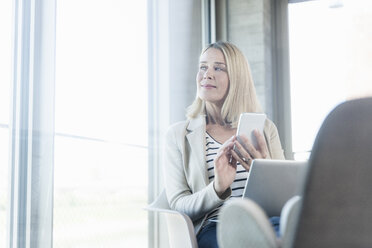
<point>337,200</point>
<point>180,227</point>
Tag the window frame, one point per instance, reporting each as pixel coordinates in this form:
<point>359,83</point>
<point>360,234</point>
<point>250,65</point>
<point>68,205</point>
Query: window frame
<point>32,125</point>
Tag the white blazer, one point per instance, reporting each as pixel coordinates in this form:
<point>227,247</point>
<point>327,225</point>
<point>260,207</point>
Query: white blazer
<point>185,170</point>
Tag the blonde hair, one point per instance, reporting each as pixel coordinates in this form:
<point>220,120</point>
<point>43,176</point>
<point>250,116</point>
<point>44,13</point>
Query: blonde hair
<point>241,96</point>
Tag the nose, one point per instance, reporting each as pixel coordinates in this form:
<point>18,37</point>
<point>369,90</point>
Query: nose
<point>208,74</point>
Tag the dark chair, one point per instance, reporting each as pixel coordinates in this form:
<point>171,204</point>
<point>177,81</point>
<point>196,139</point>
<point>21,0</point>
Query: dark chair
<point>337,202</point>
<point>336,207</point>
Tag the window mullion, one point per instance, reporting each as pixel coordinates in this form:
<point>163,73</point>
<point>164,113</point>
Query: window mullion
<point>32,125</point>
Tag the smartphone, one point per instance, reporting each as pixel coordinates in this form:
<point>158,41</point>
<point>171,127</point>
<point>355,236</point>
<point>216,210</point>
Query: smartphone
<point>248,122</point>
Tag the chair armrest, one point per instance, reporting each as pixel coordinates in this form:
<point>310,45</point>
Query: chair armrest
<point>181,231</point>
<point>288,220</point>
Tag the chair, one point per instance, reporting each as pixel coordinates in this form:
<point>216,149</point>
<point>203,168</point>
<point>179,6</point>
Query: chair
<point>180,227</point>
<point>336,207</point>
<point>235,228</point>
<point>337,204</point>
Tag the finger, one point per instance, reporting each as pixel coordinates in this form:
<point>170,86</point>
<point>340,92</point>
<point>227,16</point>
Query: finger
<point>241,151</point>
<point>225,148</point>
<point>250,148</point>
<point>232,160</point>
<point>243,139</point>
<point>262,146</point>
<point>230,140</point>
<point>234,164</point>
<point>237,157</point>
<point>224,155</point>
<point>246,165</point>
<point>228,148</point>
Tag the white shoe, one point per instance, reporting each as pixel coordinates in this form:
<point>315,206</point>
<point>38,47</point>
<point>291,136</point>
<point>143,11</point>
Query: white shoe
<point>242,223</point>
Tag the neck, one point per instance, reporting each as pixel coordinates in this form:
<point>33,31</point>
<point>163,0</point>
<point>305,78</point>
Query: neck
<point>214,114</point>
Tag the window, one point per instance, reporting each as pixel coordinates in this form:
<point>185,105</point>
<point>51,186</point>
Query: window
<point>329,62</point>
<point>101,124</point>
<point>5,80</point>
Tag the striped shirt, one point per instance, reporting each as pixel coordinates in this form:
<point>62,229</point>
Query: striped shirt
<point>237,187</point>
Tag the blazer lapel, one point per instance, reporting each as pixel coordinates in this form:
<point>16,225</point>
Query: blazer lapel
<point>196,139</point>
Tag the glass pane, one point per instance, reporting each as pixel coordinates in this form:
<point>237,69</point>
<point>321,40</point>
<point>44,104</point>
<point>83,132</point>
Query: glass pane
<point>5,83</point>
<point>101,124</point>
<point>4,151</point>
<point>330,61</point>
<point>102,69</point>
<point>6,8</point>
<point>99,197</point>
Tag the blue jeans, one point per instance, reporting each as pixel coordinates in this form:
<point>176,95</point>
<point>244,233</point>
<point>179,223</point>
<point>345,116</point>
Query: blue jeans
<point>207,237</point>
<point>275,220</point>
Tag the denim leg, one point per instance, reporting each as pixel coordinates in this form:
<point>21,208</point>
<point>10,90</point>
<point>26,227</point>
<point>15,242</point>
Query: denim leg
<point>275,220</point>
<point>207,238</point>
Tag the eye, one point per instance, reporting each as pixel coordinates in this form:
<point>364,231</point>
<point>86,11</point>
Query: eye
<point>203,67</point>
<point>219,68</point>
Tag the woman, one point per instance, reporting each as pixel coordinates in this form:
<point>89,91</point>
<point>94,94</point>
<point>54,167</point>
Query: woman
<point>199,174</point>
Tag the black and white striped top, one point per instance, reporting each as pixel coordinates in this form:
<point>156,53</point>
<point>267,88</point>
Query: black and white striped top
<point>237,186</point>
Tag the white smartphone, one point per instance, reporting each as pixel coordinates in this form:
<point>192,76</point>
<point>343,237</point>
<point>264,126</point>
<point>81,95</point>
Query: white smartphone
<point>248,122</point>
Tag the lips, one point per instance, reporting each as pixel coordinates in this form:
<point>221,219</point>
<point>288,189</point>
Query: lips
<point>208,86</point>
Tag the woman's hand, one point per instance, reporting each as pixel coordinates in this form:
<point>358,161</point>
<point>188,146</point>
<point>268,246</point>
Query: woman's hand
<point>245,152</point>
<point>224,172</point>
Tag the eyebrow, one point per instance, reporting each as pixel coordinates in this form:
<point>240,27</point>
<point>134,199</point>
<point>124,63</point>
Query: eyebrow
<point>218,63</point>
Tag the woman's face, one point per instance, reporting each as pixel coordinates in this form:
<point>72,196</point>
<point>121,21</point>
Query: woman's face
<point>212,78</point>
